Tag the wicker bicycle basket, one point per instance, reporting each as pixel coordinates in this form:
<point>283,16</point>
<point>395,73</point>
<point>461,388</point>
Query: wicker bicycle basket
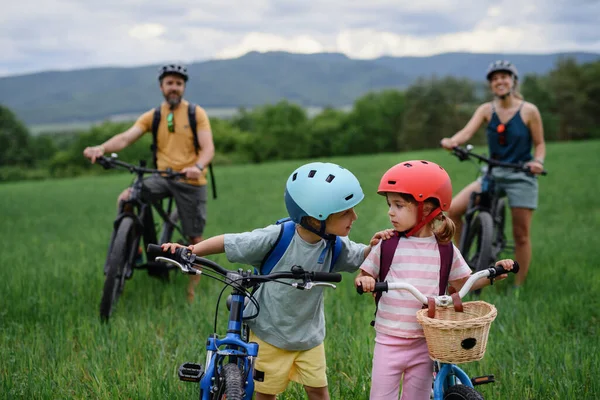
<point>458,337</point>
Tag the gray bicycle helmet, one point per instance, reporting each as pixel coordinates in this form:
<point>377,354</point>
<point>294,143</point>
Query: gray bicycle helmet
<point>502,65</point>
<point>173,69</point>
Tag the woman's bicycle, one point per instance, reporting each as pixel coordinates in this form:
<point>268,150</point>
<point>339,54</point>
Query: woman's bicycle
<point>229,368</point>
<point>135,220</point>
<point>454,334</point>
<point>483,235</point>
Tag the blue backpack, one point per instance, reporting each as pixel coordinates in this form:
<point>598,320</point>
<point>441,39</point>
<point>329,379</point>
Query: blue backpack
<point>286,233</point>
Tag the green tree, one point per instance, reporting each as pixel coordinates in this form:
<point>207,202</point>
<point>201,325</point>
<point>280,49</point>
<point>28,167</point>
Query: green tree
<point>375,123</point>
<point>15,140</point>
<point>280,132</point>
<point>566,84</point>
<point>435,108</point>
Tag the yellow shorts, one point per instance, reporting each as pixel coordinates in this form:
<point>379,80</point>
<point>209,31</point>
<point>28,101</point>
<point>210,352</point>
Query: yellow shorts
<point>281,366</point>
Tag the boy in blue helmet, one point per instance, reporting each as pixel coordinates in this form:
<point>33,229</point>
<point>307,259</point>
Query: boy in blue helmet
<point>290,328</point>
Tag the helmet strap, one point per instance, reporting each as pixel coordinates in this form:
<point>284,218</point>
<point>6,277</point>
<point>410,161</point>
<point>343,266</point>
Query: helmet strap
<point>423,221</point>
<point>320,232</point>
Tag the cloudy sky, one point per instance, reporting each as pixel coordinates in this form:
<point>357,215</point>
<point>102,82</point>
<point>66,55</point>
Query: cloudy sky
<point>37,35</point>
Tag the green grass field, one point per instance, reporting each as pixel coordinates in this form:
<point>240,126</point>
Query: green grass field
<point>544,343</point>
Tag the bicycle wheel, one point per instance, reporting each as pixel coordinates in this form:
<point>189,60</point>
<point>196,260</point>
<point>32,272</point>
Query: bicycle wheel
<point>166,234</point>
<point>462,392</point>
<point>229,384</point>
<point>477,249</point>
<point>118,259</point>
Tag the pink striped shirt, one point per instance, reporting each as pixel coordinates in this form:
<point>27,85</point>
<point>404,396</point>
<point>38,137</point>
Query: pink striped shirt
<point>416,261</point>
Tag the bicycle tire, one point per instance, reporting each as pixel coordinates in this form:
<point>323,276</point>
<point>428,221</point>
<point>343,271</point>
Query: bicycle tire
<point>166,233</point>
<point>229,384</point>
<point>118,257</point>
<point>480,232</point>
<point>462,392</point>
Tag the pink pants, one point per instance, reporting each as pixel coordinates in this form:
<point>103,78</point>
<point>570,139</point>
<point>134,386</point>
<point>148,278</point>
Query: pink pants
<point>393,357</point>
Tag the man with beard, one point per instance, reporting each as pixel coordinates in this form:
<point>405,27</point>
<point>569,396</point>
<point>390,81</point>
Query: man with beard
<point>175,149</point>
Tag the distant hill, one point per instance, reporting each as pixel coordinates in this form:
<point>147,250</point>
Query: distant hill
<point>323,79</point>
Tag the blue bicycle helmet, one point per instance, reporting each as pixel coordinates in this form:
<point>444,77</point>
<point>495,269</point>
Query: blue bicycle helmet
<point>318,190</point>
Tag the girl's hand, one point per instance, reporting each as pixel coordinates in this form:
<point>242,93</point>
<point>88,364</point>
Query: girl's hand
<point>173,246</point>
<point>381,235</point>
<point>367,282</point>
<point>507,264</point>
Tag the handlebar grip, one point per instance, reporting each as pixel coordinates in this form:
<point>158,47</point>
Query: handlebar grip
<point>182,254</point>
<point>500,270</point>
<point>379,287</point>
<point>326,277</point>
<point>154,248</point>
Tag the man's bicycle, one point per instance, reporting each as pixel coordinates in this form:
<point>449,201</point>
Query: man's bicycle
<point>229,368</point>
<point>483,235</point>
<point>454,334</point>
<point>135,220</point>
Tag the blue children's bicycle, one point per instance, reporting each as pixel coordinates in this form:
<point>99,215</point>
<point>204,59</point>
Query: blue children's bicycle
<point>454,334</point>
<point>229,368</point>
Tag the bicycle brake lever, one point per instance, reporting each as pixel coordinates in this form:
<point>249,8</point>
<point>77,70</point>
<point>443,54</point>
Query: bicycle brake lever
<point>184,268</point>
<point>310,285</point>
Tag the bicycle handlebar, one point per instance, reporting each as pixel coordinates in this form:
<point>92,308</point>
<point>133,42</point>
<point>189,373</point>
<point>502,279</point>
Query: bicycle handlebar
<point>443,300</point>
<point>184,256</point>
<point>111,162</point>
<point>464,153</point>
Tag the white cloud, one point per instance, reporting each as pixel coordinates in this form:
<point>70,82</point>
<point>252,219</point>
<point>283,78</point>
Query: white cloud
<point>267,42</point>
<point>147,31</point>
<point>48,34</point>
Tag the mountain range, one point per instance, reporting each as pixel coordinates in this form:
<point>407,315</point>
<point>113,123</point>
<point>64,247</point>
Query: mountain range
<point>321,79</point>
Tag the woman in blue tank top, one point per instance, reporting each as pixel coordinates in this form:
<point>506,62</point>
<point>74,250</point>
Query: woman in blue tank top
<point>514,128</point>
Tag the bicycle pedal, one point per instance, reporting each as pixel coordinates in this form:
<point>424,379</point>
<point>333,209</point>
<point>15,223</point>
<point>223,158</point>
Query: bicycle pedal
<point>482,380</point>
<point>190,372</point>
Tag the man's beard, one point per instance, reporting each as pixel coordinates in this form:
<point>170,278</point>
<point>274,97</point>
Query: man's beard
<point>173,99</point>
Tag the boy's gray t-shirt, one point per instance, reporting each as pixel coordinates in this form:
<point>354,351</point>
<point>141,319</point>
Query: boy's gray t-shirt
<point>289,318</point>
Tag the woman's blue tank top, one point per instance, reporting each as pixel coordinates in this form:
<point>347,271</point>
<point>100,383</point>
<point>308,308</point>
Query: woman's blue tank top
<point>515,146</point>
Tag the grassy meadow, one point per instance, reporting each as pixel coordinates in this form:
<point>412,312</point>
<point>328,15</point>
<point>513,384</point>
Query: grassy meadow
<point>544,344</point>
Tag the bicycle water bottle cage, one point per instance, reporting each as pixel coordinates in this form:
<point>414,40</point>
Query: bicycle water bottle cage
<point>190,372</point>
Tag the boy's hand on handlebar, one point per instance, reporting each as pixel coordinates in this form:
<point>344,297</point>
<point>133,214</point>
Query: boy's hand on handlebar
<point>507,264</point>
<point>381,235</point>
<point>448,143</point>
<point>171,247</point>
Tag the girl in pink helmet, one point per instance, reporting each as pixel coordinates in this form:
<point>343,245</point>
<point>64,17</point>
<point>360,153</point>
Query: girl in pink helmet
<point>417,192</point>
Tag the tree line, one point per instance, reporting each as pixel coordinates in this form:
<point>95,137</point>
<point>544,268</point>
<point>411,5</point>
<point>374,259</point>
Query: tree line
<point>568,98</point>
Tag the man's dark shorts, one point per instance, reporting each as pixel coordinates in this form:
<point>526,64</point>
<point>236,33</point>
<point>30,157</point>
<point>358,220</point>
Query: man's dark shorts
<point>189,199</point>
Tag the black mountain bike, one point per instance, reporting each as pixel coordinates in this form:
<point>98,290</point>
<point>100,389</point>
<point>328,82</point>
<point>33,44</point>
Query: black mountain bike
<point>135,220</point>
<point>483,237</point>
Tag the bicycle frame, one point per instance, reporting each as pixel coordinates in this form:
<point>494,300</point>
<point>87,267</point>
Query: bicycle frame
<point>234,345</point>
<point>140,211</point>
<point>238,350</point>
<point>446,377</point>
<point>485,200</point>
